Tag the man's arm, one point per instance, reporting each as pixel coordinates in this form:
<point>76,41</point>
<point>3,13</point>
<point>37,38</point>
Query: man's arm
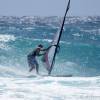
<point>41,54</point>
<point>44,50</point>
<point>48,48</point>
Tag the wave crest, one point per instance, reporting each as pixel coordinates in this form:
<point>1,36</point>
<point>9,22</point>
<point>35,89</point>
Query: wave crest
<point>6,38</point>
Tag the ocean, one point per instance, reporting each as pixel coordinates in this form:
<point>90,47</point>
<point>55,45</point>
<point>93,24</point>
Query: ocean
<point>79,56</point>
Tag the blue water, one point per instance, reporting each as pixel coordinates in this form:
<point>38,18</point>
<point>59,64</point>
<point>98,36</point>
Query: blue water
<point>79,55</point>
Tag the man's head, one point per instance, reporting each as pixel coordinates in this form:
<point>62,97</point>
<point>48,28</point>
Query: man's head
<point>40,45</point>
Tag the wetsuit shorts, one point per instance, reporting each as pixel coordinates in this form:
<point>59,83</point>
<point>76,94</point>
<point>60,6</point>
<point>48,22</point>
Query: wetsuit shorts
<point>31,61</point>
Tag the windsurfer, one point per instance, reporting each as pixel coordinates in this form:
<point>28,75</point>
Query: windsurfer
<point>32,61</point>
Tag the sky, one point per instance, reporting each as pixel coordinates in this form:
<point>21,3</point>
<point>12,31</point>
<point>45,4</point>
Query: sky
<point>49,7</point>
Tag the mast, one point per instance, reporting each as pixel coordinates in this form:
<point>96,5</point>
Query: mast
<point>61,30</point>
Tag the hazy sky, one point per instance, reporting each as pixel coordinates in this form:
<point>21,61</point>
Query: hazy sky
<point>49,7</point>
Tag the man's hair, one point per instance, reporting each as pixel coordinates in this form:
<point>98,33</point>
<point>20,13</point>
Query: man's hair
<point>40,45</point>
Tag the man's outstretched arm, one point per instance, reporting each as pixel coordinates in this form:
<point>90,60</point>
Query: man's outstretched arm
<point>48,48</point>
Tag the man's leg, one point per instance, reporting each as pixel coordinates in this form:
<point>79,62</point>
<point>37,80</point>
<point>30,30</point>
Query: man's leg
<point>31,62</point>
<point>37,68</point>
<point>31,68</point>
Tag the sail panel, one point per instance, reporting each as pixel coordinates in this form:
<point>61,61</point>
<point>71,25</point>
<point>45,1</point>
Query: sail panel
<point>49,56</point>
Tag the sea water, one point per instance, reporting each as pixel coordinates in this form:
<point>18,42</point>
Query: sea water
<point>79,56</point>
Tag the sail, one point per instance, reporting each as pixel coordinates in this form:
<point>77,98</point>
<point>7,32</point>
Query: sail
<point>49,57</point>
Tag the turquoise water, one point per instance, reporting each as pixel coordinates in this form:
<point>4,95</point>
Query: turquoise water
<point>79,55</point>
<point>80,43</point>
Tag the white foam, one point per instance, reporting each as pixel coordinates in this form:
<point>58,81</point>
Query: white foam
<point>76,34</point>
<point>47,88</point>
<point>9,71</point>
<point>44,40</point>
<point>6,38</point>
<point>49,40</point>
<point>4,46</point>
